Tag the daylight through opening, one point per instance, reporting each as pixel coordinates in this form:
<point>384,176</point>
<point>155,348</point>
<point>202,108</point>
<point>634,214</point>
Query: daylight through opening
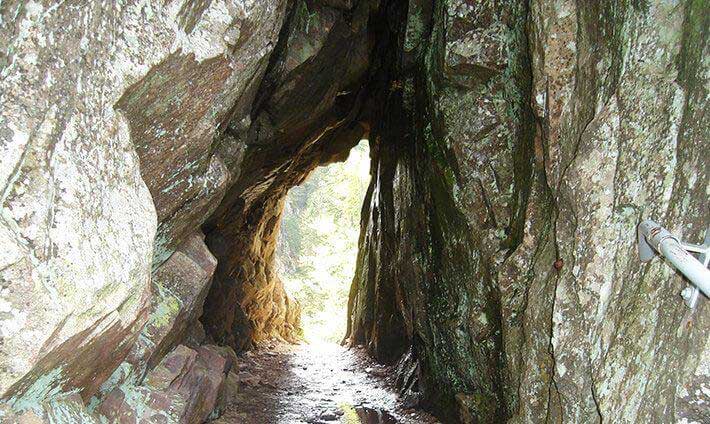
<point>318,242</point>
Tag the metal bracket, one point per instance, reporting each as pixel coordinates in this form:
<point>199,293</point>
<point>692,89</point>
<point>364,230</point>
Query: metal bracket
<point>654,239</point>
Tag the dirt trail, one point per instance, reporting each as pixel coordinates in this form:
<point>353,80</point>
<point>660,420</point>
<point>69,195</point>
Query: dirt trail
<point>326,383</point>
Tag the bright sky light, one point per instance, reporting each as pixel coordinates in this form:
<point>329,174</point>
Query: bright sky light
<point>317,245</point>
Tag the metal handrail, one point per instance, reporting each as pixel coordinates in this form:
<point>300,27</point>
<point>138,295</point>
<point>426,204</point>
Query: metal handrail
<point>654,239</point>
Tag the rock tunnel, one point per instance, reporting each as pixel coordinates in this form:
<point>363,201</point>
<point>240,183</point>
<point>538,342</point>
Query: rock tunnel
<point>515,145</point>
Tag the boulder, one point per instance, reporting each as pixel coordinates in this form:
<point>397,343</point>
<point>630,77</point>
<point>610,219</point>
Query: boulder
<point>180,286</point>
<point>177,109</point>
<point>67,409</point>
<point>184,388</point>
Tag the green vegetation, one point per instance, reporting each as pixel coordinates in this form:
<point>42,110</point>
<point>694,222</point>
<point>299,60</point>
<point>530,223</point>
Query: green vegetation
<point>317,245</point>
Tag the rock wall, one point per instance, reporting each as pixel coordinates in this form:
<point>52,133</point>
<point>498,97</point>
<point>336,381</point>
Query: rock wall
<point>123,127</point>
<point>524,143</point>
<point>77,221</point>
<point>109,115</point>
<point>422,284</point>
<point>620,119</point>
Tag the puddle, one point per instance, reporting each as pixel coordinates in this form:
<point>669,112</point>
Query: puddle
<point>374,416</point>
<point>366,415</point>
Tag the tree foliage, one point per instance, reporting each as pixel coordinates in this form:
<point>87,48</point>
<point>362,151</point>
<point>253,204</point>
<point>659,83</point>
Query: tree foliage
<point>318,239</point>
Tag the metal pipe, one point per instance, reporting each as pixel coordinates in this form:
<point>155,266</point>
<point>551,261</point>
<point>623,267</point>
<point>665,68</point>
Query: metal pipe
<point>670,247</point>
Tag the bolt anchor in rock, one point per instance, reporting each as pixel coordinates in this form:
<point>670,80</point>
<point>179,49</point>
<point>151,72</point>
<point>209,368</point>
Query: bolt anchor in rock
<point>654,239</point>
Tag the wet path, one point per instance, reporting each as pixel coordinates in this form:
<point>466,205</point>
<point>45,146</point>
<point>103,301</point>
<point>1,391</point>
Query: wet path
<point>313,384</point>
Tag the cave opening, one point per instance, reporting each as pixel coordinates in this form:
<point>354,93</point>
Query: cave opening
<point>318,242</point>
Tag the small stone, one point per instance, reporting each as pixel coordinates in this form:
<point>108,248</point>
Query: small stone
<point>331,415</point>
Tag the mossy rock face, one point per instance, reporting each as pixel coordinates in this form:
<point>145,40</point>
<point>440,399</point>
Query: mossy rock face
<point>525,144</point>
<point>183,388</point>
<point>62,409</point>
<point>420,248</point>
